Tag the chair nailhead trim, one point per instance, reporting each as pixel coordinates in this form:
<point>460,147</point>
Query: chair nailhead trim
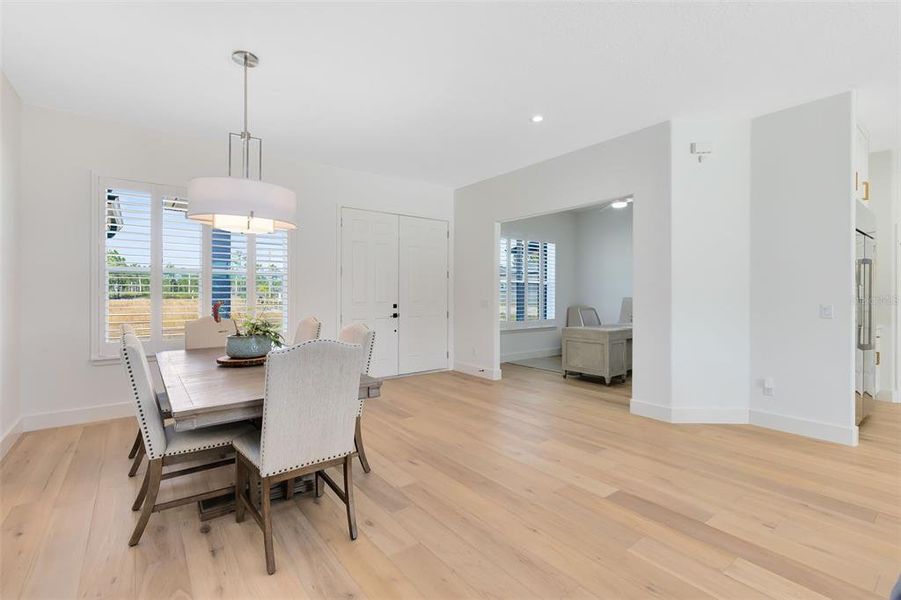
<point>199,448</point>
<point>141,417</point>
<point>371,347</point>
<point>295,467</point>
<point>368,363</point>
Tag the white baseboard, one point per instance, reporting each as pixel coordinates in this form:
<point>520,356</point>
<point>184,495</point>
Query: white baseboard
<point>813,429</point>
<point>701,414</point>
<point>650,410</point>
<point>478,371</point>
<point>10,437</point>
<point>76,416</point>
<point>889,396</point>
<point>725,416</point>
<point>523,355</point>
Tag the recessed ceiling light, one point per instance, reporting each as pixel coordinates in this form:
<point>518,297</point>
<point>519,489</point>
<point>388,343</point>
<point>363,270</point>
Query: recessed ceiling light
<point>619,204</point>
<point>537,118</point>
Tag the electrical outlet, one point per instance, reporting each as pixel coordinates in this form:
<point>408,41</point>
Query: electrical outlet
<point>768,386</point>
<point>827,311</point>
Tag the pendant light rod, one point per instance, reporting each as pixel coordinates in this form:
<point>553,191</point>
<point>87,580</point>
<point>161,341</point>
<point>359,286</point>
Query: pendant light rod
<point>245,134</point>
<point>247,60</point>
<point>245,96</point>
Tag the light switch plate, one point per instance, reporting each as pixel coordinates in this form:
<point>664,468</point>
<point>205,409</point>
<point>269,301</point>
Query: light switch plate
<point>827,311</point>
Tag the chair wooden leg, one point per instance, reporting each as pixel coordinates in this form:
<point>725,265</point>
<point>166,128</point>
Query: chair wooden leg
<point>139,456</point>
<point>142,493</point>
<point>289,489</point>
<point>358,442</point>
<point>317,485</point>
<point>266,511</point>
<point>136,445</point>
<point>256,490</point>
<point>349,494</point>
<point>154,474</point>
<point>240,489</point>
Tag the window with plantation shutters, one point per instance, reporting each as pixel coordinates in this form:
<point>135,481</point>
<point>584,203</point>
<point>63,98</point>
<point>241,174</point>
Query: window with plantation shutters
<point>182,267</point>
<point>271,274</point>
<point>128,225</point>
<point>156,269</point>
<point>527,282</point>
<point>228,252</point>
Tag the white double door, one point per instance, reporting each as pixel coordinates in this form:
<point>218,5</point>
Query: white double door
<point>394,278</point>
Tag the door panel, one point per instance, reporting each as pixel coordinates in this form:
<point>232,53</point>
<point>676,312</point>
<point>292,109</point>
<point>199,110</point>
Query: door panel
<point>423,295</point>
<point>369,281</point>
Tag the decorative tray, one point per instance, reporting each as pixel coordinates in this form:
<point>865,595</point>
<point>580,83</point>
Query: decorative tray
<point>227,361</point>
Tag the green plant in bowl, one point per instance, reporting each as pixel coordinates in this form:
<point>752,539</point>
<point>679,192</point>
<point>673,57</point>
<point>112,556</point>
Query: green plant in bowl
<point>254,337</point>
<point>258,325</point>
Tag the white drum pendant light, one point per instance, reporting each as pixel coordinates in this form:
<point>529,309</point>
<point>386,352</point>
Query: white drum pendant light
<point>242,204</point>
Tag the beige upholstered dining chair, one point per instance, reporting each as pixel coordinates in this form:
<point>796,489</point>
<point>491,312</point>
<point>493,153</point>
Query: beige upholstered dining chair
<point>165,446</point>
<point>162,402</point>
<point>582,316</point>
<point>310,405</point>
<point>308,329</point>
<point>359,333</point>
<point>205,332</point>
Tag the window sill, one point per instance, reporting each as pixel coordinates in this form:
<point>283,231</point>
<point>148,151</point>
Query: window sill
<point>526,326</point>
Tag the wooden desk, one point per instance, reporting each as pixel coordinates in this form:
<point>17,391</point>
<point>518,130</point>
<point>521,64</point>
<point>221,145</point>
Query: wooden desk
<point>604,351</point>
<point>201,393</point>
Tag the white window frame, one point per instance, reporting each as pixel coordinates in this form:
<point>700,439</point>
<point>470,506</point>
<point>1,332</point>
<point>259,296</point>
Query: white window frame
<point>103,351</point>
<point>507,325</point>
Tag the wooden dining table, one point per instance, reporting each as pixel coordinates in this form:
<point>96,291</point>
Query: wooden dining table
<point>202,393</point>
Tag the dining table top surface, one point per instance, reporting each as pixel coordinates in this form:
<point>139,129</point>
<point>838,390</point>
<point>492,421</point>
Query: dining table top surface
<point>196,384</point>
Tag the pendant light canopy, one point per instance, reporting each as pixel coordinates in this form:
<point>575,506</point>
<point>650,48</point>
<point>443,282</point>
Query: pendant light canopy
<point>242,204</point>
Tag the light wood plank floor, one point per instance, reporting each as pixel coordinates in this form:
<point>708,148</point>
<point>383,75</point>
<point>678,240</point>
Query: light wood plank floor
<point>531,487</point>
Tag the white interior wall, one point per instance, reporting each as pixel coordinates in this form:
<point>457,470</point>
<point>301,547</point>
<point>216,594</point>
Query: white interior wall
<point>637,164</point>
<point>560,228</point>
<point>10,317</point>
<point>802,255</point>
<point>710,255</point>
<point>604,260</point>
<point>60,151</point>
<point>732,258</point>
<point>883,201</point>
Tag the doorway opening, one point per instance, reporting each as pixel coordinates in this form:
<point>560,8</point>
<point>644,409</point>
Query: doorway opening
<point>565,293</point>
<point>877,259</point>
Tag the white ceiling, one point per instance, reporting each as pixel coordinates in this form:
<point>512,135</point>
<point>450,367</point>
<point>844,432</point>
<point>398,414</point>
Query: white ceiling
<point>444,92</point>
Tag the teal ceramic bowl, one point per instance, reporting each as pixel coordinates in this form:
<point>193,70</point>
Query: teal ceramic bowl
<point>247,346</point>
